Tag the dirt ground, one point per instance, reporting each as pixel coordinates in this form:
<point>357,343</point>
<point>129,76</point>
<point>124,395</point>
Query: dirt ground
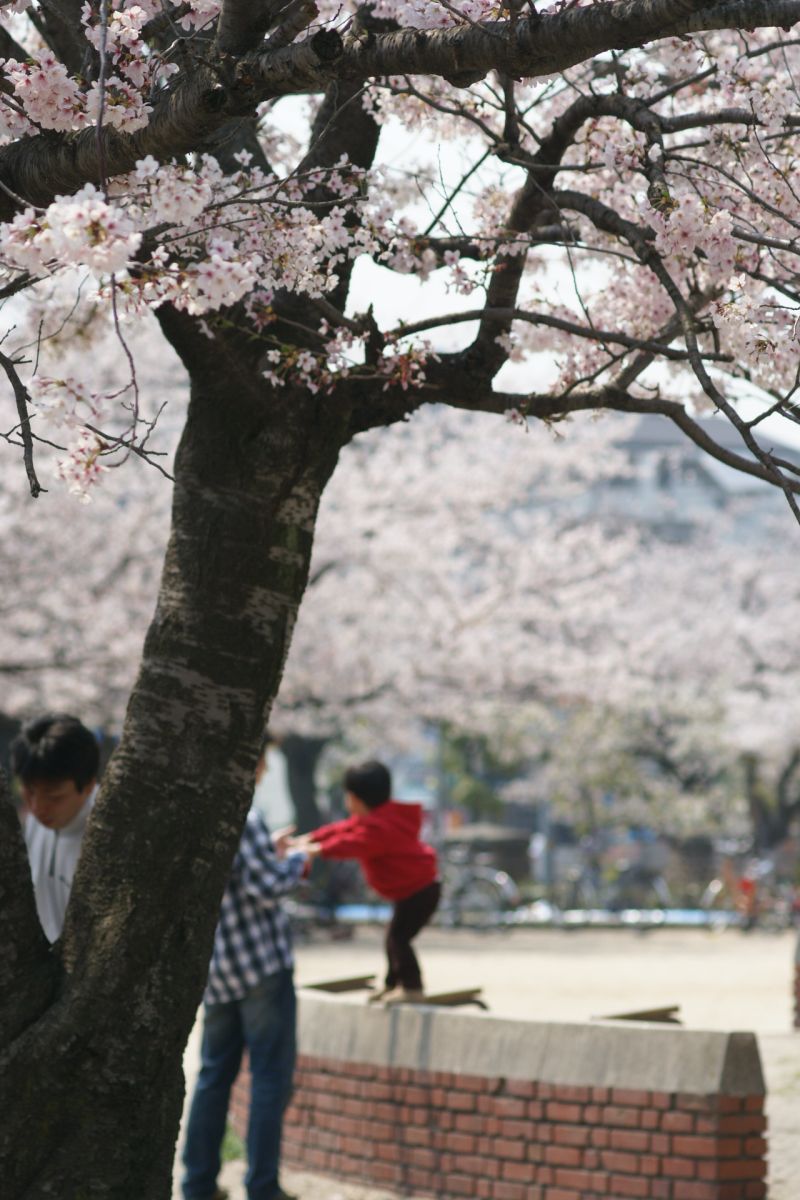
<point>723,980</point>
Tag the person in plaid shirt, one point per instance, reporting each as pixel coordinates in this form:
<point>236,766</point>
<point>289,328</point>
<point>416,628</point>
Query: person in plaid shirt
<point>249,1001</point>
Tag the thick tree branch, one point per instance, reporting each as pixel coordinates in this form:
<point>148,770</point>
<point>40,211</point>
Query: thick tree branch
<point>506,315</point>
<point>41,167</point>
<point>467,392</point>
<point>243,23</point>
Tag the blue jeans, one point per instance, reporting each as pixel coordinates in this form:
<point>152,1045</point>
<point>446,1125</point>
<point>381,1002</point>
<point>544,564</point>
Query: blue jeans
<point>264,1021</point>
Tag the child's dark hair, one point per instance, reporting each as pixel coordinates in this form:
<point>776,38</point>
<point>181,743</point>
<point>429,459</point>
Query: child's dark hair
<point>56,746</point>
<point>370,781</point>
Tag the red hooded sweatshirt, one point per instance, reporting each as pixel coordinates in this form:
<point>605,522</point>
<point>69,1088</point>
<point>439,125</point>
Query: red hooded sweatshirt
<point>386,843</point>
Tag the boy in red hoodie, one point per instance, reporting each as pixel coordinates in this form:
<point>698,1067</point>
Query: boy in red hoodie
<point>383,836</point>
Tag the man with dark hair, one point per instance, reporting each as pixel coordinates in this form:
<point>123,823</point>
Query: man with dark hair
<point>56,759</point>
<point>383,835</point>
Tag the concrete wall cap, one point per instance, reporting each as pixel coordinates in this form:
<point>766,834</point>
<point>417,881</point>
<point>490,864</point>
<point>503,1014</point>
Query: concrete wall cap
<point>635,1055</point>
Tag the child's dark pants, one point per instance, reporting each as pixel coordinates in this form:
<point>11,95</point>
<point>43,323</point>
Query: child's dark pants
<point>409,916</point>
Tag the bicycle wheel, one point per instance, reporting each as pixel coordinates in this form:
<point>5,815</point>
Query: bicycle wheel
<point>478,904</point>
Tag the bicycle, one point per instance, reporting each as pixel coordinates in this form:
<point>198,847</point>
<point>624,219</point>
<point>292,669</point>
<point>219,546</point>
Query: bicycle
<point>475,895</point>
<point>634,886</point>
<point>755,897</point>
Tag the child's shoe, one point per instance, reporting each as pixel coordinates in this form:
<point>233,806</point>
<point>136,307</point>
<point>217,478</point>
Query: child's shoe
<point>380,994</point>
<point>401,995</point>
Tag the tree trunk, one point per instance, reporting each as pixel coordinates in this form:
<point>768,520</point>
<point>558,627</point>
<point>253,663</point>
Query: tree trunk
<point>91,1086</point>
<point>302,755</point>
<point>772,811</point>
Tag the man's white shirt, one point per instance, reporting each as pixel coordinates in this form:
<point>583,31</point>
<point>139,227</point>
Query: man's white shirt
<point>53,855</point>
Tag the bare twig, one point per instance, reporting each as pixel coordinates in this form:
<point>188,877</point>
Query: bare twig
<point>22,400</point>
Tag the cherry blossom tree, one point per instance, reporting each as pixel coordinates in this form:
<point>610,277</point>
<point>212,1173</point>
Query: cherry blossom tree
<point>607,191</point>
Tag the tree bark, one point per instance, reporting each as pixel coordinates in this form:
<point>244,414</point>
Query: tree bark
<point>91,1088</point>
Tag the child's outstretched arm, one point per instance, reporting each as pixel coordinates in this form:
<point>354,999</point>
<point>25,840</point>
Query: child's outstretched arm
<point>350,838</point>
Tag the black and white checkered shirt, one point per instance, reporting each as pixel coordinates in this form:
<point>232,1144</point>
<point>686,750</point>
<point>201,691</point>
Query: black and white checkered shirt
<point>253,938</point>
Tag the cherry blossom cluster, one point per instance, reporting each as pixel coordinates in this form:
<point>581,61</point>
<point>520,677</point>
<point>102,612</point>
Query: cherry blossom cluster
<point>80,230</point>
<point>686,225</point>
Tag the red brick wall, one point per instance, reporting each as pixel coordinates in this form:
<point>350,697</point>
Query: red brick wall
<point>453,1136</point>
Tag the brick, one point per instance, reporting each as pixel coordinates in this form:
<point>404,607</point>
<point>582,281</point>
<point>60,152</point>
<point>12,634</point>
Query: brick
<point>525,1088</point>
<point>564,1156</point>
<point>556,1110</point>
<point>422,1157</point>
<point>459,1143</point>
<point>416,1178</point>
<point>755,1147</point>
<point>460,1101</point>
<point>508,1106</point>
<point>685,1190</point>
<point>477,1083</point>
<point>738,1123</point>
<point>380,1131</point>
<point>627,1118</point>
<point>660,1189</point>
<point>468,1123</point>
<point>625,1185</point>
<point>629,1139</point>
<point>677,1122</point>
<point>742,1169</point>
<point>695,1102</point>
<point>707,1147</point>
<point>517,1172</point>
<point>574,1094</point>
<point>679,1168</point>
<point>461,1185</point>
<point>413,1135</point>
<point>571,1135</point>
<point>478,1165</point>
<point>614,1160</point>
<point>630,1096</point>
<point>754,1104</point>
<point>515,1129</point>
<point>505,1148</point>
<point>510,1191</point>
<point>582,1181</point>
<point>386,1172</point>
